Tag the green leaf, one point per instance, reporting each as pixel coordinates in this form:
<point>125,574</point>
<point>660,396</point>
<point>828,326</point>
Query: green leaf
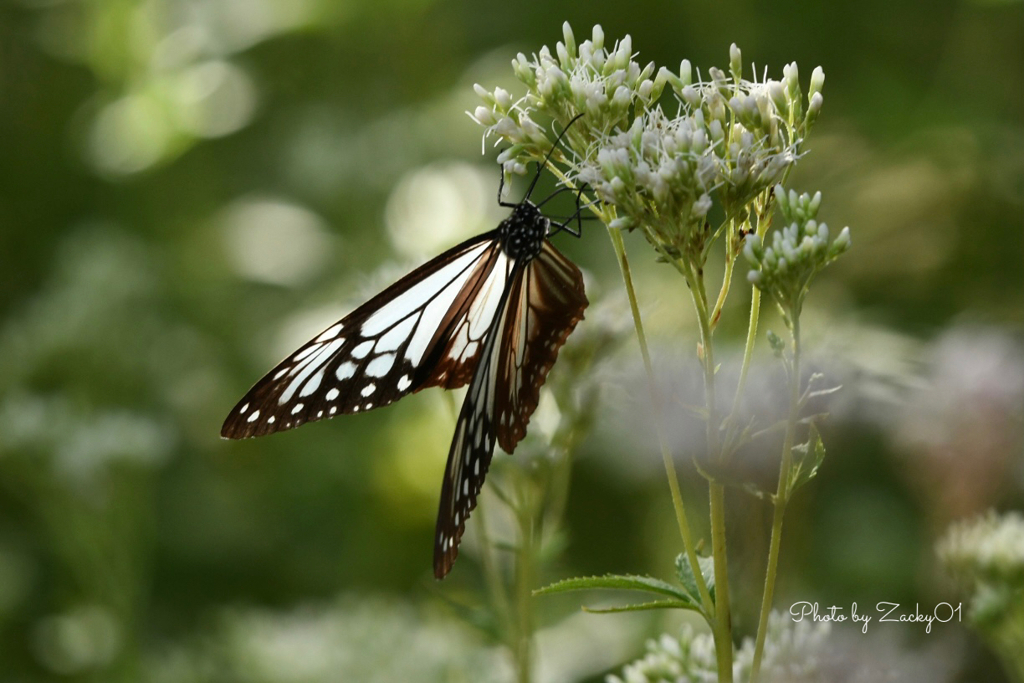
<point>689,581</point>
<point>646,584</point>
<point>808,459</point>
<point>656,604</point>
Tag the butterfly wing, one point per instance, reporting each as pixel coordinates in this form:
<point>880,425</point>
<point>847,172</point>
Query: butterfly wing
<point>539,308</point>
<point>424,330</point>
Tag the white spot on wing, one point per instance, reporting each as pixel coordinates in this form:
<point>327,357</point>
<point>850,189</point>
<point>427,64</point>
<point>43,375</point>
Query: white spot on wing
<point>243,408</point>
<point>363,349</point>
<point>369,389</point>
<point>297,409</point>
<point>398,334</point>
<point>330,333</point>
<point>333,394</point>
<point>380,365</point>
<point>345,370</point>
<point>313,384</point>
<point>404,382</point>
<point>305,352</point>
<point>255,416</point>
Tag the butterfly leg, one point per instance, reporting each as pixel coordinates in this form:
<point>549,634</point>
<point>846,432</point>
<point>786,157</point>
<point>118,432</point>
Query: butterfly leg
<point>577,216</point>
<point>501,188</point>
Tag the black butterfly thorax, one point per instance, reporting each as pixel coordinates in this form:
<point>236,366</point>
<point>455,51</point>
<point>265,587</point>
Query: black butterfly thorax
<point>522,234</point>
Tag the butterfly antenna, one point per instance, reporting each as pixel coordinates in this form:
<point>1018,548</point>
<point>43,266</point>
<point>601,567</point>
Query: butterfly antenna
<point>550,152</point>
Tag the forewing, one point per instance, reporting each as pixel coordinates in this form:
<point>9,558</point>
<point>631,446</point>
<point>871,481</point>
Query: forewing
<point>540,307</point>
<point>393,345</point>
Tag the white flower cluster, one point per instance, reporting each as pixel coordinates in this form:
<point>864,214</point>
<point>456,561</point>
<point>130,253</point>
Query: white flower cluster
<point>791,653</point>
<point>797,252</point>
<point>688,657</point>
<point>989,548</point>
<point>731,139</point>
<point>591,79</point>
<point>656,171</point>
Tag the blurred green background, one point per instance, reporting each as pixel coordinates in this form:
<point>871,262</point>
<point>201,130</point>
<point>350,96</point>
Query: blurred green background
<point>191,188</point>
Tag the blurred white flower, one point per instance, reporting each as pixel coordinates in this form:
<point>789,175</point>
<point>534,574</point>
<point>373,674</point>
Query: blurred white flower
<point>274,241</point>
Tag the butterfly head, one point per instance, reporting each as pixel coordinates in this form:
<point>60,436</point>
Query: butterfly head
<point>523,232</point>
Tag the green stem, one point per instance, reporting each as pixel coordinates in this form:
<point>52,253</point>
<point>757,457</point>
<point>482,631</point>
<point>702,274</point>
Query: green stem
<point>764,222</point>
<point>670,468</point>
<point>723,615</point>
<point>781,499</point>
<point>524,586</point>
<point>748,349</point>
<point>724,292</point>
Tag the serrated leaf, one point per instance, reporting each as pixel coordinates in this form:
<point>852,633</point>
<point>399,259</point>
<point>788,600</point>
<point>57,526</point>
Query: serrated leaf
<point>685,574</point>
<point>630,582</point>
<point>656,604</point>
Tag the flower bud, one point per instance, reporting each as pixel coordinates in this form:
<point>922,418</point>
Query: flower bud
<point>507,128</point>
<point>598,37</point>
<point>792,75</point>
<point>647,72</point>
<point>841,243</point>
<point>813,109</point>
<point>570,39</point>
<point>502,98</point>
<point>777,93</point>
<point>716,132</point>
<point>624,53</point>
<point>812,206</point>
<point>735,62</point>
<point>620,100</point>
<point>686,72</point>
<point>817,80</point>
<point>483,116</point>
<point>563,56</point>
<point>690,97</point>
<point>700,142</point>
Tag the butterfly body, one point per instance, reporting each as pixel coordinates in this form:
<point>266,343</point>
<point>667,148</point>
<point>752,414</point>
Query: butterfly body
<point>522,234</point>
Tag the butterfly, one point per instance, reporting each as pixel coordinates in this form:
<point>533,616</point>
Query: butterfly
<point>492,312</point>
